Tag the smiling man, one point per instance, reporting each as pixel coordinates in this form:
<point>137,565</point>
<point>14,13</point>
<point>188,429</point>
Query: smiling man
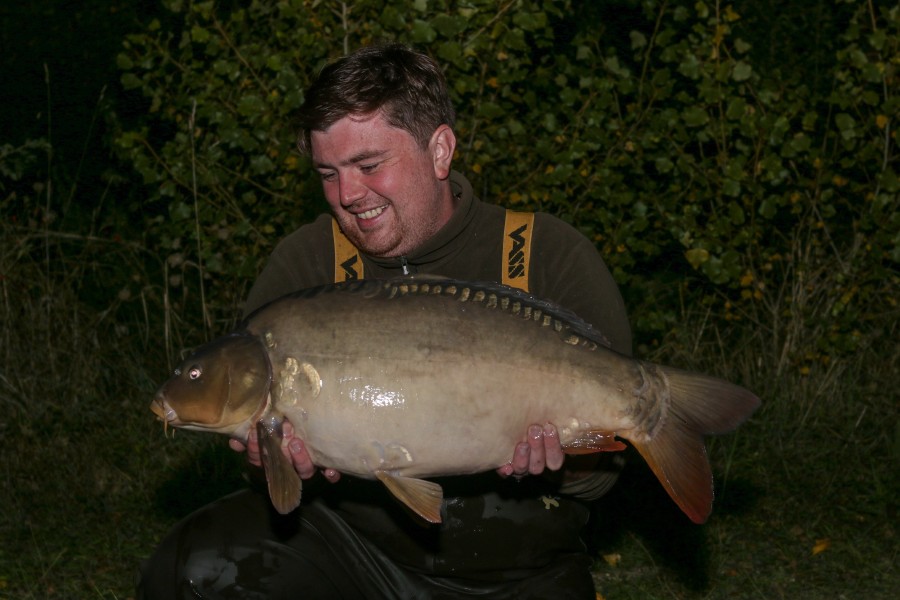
<point>387,193</point>
<point>378,125</point>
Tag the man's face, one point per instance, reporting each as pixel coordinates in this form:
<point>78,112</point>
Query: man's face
<point>388,194</point>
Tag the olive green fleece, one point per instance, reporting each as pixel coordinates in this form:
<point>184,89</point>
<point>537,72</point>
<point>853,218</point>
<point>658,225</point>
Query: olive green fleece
<point>565,267</point>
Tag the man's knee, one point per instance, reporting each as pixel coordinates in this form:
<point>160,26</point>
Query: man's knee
<point>203,549</point>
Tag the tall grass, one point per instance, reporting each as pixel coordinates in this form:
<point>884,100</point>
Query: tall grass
<point>807,490</point>
<point>88,481</point>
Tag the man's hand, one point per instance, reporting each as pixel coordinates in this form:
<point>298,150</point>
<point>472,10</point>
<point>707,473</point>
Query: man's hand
<point>540,451</point>
<point>292,447</point>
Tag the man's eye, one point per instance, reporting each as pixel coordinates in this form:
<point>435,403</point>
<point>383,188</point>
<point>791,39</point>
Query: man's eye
<point>326,176</point>
<point>368,168</point>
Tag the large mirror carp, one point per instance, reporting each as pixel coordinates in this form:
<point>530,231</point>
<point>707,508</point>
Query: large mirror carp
<point>411,378</point>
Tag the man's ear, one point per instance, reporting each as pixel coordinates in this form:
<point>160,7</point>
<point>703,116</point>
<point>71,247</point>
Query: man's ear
<point>442,147</point>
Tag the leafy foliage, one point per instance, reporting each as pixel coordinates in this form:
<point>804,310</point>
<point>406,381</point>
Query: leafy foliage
<point>217,150</point>
<point>704,181</point>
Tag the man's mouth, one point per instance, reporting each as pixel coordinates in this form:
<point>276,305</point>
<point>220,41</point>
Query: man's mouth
<point>371,214</point>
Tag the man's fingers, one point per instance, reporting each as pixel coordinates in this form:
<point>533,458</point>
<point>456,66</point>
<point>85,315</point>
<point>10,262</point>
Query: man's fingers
<point>253,448</point>
<point>292,447</point>
<point>506,470</point>
<point>520,459</point>
<point>536,460</point>
<point>554,454</point>
<point>300,458</point>
<point>331,475</point>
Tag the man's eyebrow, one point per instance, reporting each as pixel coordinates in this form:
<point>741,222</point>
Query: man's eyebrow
<point>355,159</point>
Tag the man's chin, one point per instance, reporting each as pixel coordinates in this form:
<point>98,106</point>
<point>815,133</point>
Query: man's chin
<point>375,245</point>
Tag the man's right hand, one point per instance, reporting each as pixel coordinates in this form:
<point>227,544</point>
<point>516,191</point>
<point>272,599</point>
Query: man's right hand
<point>292,447</point>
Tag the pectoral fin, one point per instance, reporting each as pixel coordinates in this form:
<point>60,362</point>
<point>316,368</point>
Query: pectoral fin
<point>595,440</point>
<point>421,496</point>
<point>285,486</point>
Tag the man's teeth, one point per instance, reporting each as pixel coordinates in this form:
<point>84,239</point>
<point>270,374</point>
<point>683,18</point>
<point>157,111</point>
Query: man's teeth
<point>371,214</point>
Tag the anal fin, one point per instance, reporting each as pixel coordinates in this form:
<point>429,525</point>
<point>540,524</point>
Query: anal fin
<point>422,497</point>
<point>595,440</point>
<point>285,486</point>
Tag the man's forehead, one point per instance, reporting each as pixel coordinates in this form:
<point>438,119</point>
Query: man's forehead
<point>374,120</point>
<point>355,138</point>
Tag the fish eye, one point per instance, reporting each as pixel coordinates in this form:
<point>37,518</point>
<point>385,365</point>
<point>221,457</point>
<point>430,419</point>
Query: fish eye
<point>195,372</point>
<point>177,372</point>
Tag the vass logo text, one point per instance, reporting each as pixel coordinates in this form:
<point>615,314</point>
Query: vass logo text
<point>516,260</point>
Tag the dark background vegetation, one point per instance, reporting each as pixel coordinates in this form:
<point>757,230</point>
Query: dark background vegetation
<point>735,163</point>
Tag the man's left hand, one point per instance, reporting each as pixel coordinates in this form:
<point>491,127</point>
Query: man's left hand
<point>540,451</point>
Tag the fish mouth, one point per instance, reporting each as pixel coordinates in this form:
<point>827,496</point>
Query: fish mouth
<point>164,412</point>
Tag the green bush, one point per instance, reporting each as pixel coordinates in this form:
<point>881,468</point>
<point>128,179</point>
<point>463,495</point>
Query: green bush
<point>216,150</point>
<point>756,197</point>
<point>706,183</point>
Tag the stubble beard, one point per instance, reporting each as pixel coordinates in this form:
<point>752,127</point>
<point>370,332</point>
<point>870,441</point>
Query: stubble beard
<point>402,237</point>
<point>377,243</point>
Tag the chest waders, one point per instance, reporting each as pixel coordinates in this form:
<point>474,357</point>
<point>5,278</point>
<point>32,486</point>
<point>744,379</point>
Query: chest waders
<point>515,259</point>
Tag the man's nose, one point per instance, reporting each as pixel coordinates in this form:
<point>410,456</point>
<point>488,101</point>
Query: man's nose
<point>351,189</point>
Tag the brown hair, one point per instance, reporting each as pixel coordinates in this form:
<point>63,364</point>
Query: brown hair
<point>407,85</point>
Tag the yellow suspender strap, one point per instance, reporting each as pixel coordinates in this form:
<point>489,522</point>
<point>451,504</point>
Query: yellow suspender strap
<point>517,232</point>
<point>347,261</point>
<point>517,248</point>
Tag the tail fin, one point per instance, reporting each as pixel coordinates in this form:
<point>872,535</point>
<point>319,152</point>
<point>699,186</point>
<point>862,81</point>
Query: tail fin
<point>699,405</point>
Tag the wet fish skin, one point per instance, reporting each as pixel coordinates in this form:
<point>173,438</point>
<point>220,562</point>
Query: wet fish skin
<point>406,379</point>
